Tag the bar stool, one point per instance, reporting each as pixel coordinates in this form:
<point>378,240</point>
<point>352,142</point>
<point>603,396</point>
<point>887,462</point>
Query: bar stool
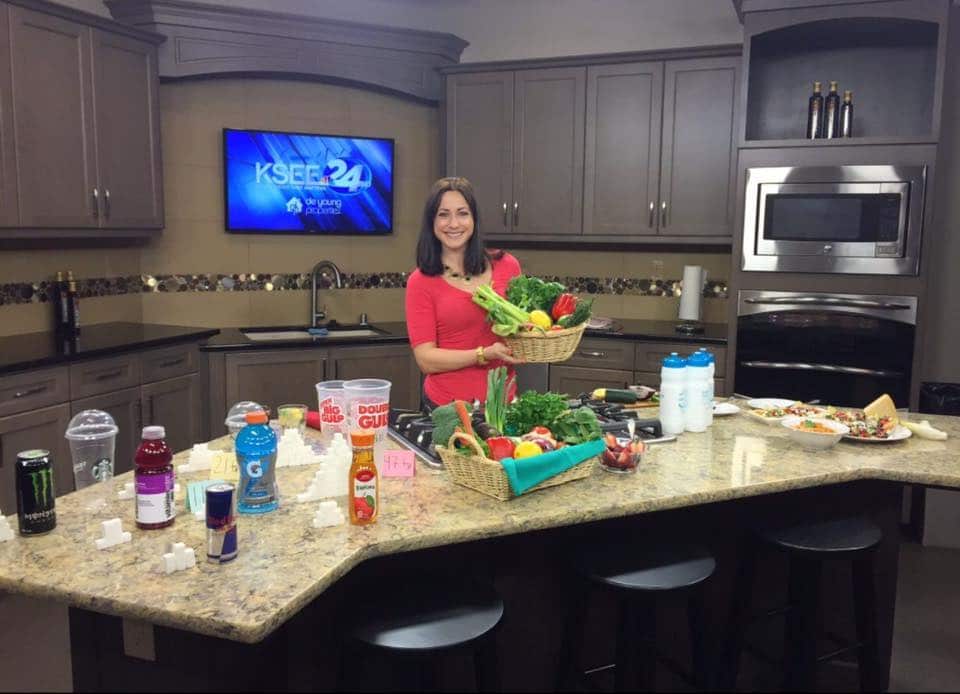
<point>422,624</point>
<point>807,547</point>
<point>638,576</point>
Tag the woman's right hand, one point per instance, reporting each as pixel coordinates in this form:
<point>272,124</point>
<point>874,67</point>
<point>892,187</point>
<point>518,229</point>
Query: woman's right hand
<point>500,352</point>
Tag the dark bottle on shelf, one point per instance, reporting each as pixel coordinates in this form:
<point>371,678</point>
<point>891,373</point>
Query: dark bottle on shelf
<point>73,306</point>
<point>831,113</point>
<point>846,115</point>
<point>58,297</point>
<point>815,114</point>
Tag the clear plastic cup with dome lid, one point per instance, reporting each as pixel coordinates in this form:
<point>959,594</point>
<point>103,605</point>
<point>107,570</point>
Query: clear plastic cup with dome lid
<point>92,435</point>
<point>237,417</point>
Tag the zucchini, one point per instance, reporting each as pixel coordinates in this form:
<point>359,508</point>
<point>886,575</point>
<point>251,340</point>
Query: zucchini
<point>627,397</point>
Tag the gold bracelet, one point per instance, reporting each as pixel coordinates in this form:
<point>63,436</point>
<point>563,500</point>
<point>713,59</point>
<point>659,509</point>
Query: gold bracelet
<point>481,360</point>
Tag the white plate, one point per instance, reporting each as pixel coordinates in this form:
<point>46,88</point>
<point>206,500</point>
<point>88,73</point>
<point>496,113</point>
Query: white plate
<point>769,403</point>
<point>722,409</point>
<point>899,433</point>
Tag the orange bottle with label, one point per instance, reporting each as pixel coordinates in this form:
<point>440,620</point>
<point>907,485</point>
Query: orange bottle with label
<point>364,492</point>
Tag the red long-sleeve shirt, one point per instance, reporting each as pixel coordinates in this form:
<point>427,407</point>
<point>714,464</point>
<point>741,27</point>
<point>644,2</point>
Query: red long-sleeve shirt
<point>440,313</point>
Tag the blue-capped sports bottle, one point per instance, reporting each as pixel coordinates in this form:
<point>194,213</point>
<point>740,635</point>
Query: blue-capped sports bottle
<point>698,392</point>
<point>673,383</point>
<point>711,375</point>
<point>256,449</point>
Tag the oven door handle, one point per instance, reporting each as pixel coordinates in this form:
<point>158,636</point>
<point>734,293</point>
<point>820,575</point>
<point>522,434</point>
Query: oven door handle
<point>827,368</point>
<point>833,303</point>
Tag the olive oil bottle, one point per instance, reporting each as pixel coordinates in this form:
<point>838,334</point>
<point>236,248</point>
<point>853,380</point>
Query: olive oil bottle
<point>831,113</point>
<point>815,114</point>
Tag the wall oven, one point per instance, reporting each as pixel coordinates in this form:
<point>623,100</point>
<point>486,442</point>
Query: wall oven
<point>834,219</point>
<point>840,349</point>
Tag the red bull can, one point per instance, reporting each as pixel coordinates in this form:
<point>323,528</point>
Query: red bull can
<point>221,523</point>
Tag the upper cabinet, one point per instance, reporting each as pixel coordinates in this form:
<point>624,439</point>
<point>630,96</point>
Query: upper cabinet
<point>629,152</point>
<point>83,130</point>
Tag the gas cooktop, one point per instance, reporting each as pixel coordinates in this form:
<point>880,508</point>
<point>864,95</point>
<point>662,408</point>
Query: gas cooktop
<point>415,429</point>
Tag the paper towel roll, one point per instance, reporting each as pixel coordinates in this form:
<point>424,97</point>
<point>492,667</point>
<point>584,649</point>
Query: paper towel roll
<point>694,279</point>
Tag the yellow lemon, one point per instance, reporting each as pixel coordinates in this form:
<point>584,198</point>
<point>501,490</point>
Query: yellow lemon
<point>526,449</point>
<point>541,319</point>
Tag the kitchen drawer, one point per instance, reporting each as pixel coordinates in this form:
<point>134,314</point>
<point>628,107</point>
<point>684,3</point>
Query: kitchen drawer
<point>600,353</point>
<point>32,389</point>
<point>650,355</point>
<point>103,375</point>
<point>652,380</point>
<point>170,362</point>
<point>573,380</point>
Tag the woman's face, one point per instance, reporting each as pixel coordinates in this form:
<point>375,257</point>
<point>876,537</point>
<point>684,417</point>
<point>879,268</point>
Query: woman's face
<point>453,224</point>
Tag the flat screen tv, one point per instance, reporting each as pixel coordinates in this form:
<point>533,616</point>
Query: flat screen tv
<point>298,183</point>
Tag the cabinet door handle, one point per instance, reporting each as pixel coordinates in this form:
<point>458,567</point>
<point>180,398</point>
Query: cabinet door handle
<point>171,362</point>
<point>138,424</point>
<point>29,391</point>
<point>596,355</point>
<point>109,375</point>
<point>96,203</point>
<point>106,202</point>
<point>653,207</point>
<point>663,214</point>
<point>504,215</point>
<point>516,213</point>
<point>150,409</point>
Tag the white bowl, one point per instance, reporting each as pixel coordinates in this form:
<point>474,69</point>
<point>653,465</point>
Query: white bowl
<point>814,439</point>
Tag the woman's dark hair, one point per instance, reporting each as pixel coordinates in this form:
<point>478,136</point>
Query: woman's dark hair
<point>428,246</point>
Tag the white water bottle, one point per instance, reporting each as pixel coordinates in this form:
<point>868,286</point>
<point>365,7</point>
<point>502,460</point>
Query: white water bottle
<point>712,383</point>
<point>673,395</point>
<point>698,390</point>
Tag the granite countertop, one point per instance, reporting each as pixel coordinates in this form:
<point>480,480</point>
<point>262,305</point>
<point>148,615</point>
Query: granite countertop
<point>396,331</point>
<point>33,350</point>
<point>284,563</point>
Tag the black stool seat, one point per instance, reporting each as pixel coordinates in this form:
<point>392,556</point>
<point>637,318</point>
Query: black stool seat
<point>440,617</point>
<point>649,569</point>
<point>835,538</point>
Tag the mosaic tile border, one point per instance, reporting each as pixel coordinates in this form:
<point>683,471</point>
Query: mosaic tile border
<point>40,291</point>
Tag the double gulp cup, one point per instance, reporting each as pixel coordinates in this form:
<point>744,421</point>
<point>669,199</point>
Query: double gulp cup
<point>332,406</point>
<point>368,407</point>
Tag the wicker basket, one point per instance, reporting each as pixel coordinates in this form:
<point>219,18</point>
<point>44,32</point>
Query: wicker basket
<point>478,472</point>
<point>547,347</point>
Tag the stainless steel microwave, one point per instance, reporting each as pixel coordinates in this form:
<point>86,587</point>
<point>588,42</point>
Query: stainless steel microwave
<point>834,219</point>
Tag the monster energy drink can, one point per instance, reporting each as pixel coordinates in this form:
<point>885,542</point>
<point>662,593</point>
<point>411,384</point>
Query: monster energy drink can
<point>35,493</point>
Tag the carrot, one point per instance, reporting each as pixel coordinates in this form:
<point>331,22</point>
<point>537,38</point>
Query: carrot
<point>464,416</point>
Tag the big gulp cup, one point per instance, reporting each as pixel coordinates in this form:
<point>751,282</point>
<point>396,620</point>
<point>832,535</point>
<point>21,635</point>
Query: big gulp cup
<point>368,406</point>
<point>332,406</point>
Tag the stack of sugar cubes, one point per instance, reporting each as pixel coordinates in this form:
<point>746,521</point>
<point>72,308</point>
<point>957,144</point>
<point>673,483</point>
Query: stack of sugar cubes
<point>330,481</point>
<point>292,450</point>
<point>6,532</point>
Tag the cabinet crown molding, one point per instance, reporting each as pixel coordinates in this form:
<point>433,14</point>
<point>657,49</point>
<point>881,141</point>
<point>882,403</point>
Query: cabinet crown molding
<point>206,40</point>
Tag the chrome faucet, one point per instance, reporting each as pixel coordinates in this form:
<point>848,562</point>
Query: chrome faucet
<point>315,315</point>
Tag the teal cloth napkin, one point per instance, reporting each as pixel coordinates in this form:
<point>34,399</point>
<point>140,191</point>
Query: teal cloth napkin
<point>529,472</point>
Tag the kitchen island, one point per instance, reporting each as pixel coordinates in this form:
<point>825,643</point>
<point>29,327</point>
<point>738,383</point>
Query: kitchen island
<point>285,564</point>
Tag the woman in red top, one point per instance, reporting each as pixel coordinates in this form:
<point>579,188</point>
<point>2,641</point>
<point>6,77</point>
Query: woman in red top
<point>450,335</point>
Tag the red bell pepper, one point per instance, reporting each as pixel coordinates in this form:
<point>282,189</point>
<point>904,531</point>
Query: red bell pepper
<point>563,306</point>
<point>501,447</point>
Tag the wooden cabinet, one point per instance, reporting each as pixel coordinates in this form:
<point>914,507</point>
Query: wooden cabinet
<point>548,152</point>
<point>480,142</point>
<point>127,412</point>
<point>55,144</point>
<point>518,136</point>
<point>128,131</point>
<point>79,128</point>
<point>698,166</point>
<point>37,429</point>
<point>573,380</point>
<point>601,153</point>
<point>394,363</point>
<point>274,377</point>
<point>621,186</point>
<point>175,404</point>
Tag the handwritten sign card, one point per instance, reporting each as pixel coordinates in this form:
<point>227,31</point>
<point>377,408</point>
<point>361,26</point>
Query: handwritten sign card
<point>398,464</point>
<point>224,467</point>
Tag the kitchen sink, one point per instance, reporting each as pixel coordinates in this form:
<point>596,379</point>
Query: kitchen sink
<point>333,332</point>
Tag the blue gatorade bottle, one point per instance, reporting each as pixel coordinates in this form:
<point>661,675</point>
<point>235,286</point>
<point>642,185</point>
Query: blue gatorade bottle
<point>256,449</point>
